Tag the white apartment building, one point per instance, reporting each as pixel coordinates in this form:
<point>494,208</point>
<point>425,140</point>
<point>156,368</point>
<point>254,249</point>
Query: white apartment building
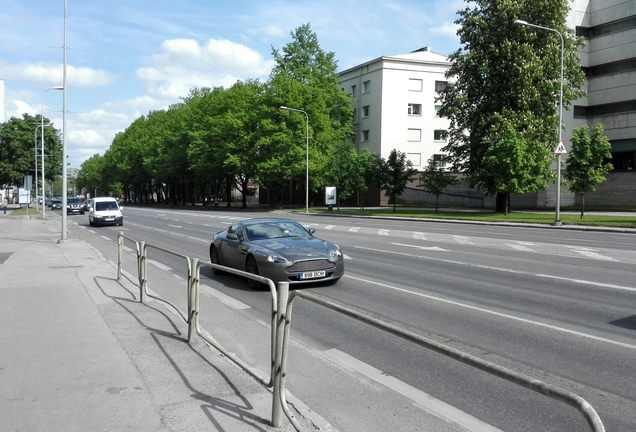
<point>395,104</point>
<point>395,101</point>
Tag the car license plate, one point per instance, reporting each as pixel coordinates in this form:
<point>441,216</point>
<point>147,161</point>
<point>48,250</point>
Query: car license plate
<point>109,219</point>
<point>312,275</point>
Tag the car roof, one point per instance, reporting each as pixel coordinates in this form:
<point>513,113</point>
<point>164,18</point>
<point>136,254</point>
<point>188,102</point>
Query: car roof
<point>265,220</point>
<point>104,199</point>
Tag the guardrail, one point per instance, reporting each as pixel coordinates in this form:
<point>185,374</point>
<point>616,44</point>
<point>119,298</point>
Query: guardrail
<point>281,312</point>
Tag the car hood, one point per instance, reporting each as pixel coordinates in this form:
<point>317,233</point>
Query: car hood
<point>295,248</point>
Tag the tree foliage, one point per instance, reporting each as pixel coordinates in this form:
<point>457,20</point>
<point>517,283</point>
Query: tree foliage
<point>588,161</point>
<point>219,139</point>
<point>18,137</point>
<point>396,172</point>
<point>504,68</point>
<point>435,179</point>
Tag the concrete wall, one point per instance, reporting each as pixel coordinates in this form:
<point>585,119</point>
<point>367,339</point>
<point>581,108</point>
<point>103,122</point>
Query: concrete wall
<point>618,190</point>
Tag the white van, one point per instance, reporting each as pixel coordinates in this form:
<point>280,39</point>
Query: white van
<point>104,211</point>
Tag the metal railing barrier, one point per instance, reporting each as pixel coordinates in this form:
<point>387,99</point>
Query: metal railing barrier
<point>192,317</point>
<point>591,416</point>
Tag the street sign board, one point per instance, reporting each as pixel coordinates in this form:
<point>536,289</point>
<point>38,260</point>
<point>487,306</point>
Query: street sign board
<point>560,148</point>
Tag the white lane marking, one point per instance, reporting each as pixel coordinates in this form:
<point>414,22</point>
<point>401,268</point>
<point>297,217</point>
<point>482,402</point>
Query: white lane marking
<point>106,238</point>
<point>354,229</point>
<point>174,226</point>
<point>599,284</point>
<point>159,265</point>
<point>433,248</point>
<point>499,314</point>
<point>525,243</point>
<point>590,253</point>
<point>92,231</point>
<point>419,235</point>
<point>462,240</point>
<point>229,301</point>
<point>618,287</point>
<point>127,249</point>
<point>345,256</point>
<point>423,400</point>
<point>328,227</point>
<point>198,239</point>
<point>520,247</point>
<point>383,232</point>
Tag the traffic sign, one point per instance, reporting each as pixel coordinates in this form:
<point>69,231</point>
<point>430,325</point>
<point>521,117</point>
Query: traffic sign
<point>560,148</point>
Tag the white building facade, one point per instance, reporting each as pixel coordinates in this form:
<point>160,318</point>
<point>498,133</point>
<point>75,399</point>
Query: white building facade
<point>395,104</point>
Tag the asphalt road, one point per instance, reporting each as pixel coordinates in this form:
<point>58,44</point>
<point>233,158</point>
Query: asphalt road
<point>557,305</point>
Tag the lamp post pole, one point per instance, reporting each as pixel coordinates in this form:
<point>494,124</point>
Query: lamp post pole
<point>307,158</point>
<point>557,216</point>
<point>42,125</point>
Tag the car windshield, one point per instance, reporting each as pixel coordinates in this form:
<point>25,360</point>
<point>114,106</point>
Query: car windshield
<point>270,230</point>
<point>105,205</point>
<point>74,201</point>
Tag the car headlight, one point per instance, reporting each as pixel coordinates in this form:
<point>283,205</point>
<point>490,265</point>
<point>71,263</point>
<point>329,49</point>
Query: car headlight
<point>276,259</point>
<point>335,253</point>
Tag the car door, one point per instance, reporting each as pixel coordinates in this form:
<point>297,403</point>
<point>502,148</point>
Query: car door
<point>234,248</point>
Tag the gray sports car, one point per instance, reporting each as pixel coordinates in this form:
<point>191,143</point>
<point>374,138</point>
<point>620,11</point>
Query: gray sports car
<point>279,249</point>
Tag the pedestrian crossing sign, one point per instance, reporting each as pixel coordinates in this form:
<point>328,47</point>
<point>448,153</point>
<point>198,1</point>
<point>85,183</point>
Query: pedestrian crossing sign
<point>560,148</point>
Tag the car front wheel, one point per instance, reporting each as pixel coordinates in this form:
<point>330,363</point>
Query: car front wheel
<point>252,267</point>
<point>214,259</point>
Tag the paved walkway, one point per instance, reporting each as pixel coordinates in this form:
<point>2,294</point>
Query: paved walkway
<point>80,353</point>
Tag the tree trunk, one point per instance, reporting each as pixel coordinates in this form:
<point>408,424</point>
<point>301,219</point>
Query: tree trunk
<point>582,204</point>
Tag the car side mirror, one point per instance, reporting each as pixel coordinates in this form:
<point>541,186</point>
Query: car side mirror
<point>312,231</point>
<point>231,237</point>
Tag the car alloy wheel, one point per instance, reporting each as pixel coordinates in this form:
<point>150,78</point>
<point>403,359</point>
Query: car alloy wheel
<point>252,267</point>
<point>214,259</point>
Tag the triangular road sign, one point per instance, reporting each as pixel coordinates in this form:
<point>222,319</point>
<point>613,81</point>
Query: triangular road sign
<point>560,148</point>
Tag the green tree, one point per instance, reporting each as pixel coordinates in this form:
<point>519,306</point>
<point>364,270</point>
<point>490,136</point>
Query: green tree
<point>371,166</point>
<point>344,171</point>
<point>17,154</point>
<point>501,67</point>
<point>588,161</point>
<point>396,172</point>
<point>435,179</point>
<point>305,77</point>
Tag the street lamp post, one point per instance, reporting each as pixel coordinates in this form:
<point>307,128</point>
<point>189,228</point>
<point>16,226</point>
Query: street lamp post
<point>42,161</point>
<point>35,151</point>
<point>307,159</point>
<point>557,216</point>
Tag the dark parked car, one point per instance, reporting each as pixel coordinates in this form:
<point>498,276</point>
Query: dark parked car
<point>279,249</point>
<point>74,206</point>
<point>56,204</point>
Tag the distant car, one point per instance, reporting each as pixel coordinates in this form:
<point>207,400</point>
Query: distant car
<point>55,204</point>
<point>74,206</point>
<point>279,249</point>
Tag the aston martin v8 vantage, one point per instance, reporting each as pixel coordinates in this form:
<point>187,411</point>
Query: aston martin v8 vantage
<point>279,249</point>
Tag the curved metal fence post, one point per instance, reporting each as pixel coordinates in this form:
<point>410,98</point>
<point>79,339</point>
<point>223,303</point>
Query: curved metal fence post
<point>141,265</point>
<point>277,409</point>
<point>120,252</point>
<point>193,297</point>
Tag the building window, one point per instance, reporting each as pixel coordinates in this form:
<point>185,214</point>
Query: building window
<point>439,160</point>
<point>414,135</point>
<point>439,85</point>
<point>415,109</point>
<point>365,111</point>
<point>366,87</point>
<point>365,135</point>
<point>415,158</point>
<point>354,92</point>
<point>437,108</point>
<point>439,135</point>
<point>415,84</point>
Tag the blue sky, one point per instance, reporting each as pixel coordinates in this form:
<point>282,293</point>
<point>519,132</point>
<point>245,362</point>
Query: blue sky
<point>130,57</point>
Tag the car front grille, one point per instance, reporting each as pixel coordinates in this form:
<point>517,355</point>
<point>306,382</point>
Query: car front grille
<point>310,265</point>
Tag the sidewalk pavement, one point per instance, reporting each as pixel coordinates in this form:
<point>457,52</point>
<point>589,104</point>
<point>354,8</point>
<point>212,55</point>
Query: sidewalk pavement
<point>80,353</point>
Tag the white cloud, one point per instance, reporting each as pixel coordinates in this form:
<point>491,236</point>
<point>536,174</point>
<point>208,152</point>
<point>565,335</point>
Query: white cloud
<point>51,73</point>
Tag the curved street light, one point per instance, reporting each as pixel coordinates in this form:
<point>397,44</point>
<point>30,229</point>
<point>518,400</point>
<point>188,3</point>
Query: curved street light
<point>307,161</point>
<point>557,216</point>
<point>42,125</point>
